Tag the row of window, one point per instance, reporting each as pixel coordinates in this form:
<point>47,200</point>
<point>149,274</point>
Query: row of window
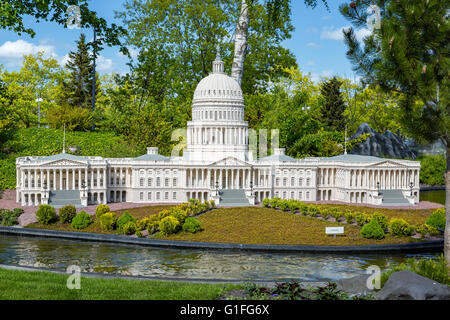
<point>158,196</point>
<point>150,182</point>
<point>157,171</point>
<point>292,194</point>
<point>218,115</point>
<point>299,171</point>
<point>300,182</point>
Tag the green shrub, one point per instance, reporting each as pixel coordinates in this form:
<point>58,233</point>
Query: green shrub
<point>266,203</point>
<point>421,229</point>
<point>142,224</point>
<point>381,219</point>
<point>213,203</point>
<point>108,221</point>
<point>180,214</point>
<point>293,205</point>
<point>372,230</point>
<point>67,213</point>
<point>192,225</point>
<point>275,202</point>
<point>124,219</point>
<point>400,227</point>
<point>153,225</point>
<point>432,230</point>
<point>139,234</point>
<point>349,217</point>
<point>17,212</point>
<point>325,213</point>
<point>313,211</point>
<point>101,209</point>
<point>8,218</point>
<point>166,213</point>
<point>82,220</point>
<point>437,219</point>
<point>129,228</point>
<point>303,208</point>
<point>169,225</point>
<point>432,168</point>
<point>361,218</point>
<point>46,214</point>
<point>283,204</point>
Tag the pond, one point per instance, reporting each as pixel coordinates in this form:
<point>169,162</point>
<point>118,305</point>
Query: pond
<point>437,196</point>
<point>187,263</point>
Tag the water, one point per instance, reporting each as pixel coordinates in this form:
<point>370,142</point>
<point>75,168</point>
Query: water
<point>437,196</point>
<point>179,263</point>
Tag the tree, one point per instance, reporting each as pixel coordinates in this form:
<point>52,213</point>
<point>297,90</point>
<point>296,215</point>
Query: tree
<point>78,88</point>
<point>196,28</point>
<point>12,12</point>
<point>332,107</point>
<point>409,54</point>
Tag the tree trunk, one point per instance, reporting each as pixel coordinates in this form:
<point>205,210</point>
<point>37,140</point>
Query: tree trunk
<point>447,207</point>
<point>240,44</point>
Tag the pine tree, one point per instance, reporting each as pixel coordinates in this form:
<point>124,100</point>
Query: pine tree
<point>408,53</point>
<point>78,90</point>
<point>333,106</point>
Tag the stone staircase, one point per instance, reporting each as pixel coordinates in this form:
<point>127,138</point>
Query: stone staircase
<point>61,198</point>
<point>233,198</point>
<point>393,198</point>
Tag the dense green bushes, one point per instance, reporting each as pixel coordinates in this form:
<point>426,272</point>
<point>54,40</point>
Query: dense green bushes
<point>437,219</point>
<point>44,142</point>
<point>372,230</point>
<point>81,221</point>
<point>191,225</point>
<point>124,219</point>
<point>46,214</point>
<point>101,209</point>
<point>67,213</point>
<point>108,221</point>
<point>169,225</point>
<point>432,168</point>
<point>374,226</point>
<point>9,217</point>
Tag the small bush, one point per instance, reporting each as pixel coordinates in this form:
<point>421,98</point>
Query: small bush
<point>17,212</point>
<point>275,202</point>
<point>325,213</point>
<point>266,203</point>
<point>139,234</point>
<point>46,214</point>
<point>108,221</point>
<point>313,211</point>
<point>303,207</point>
<point>8,218</point>
<point>400,227</point>
<point>360,218</point>
<point>192,225</point>
<point>372,230</point>
<point>437,219</point>
<point>124,219</point>
<point>142,224</point>
<point>181,215</point>
<point>432,230</point>
<point>81,221</point>
<point>129,228</point>
<point>165,213</point>
<point>67,213</point>
<point>349,217</point>
<point>381,219</point>
<point>421,229</point>
<point>283,204</point>
<point>293,205</point>
<point>153,224</point>
<point>213,203</point>
<point>169,225</point>
<point>101,209</point>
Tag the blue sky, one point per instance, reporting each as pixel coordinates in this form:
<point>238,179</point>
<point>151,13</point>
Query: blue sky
<point>316,42</point>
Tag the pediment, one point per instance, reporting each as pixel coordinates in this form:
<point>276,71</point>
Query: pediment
<point>230,161</point>
<point>388,164</point>
<point>64,163</point>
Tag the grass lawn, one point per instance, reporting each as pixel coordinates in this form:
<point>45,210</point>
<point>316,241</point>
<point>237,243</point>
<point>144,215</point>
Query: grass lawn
<point>25,285</point>
<point>255,225</point>
<point>138,213</point>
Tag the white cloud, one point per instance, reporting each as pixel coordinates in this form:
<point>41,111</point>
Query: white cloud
<point>104,64</point>
<point>11,53</point>
<point>332,33</point>
<point>133,52</point>
<point>312,45</point>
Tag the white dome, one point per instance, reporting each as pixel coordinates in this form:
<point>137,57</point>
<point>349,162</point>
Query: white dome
<point>218,85</point>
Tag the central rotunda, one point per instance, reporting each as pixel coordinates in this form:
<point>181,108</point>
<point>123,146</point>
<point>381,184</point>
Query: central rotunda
<point>217,129</point>
<point>217,164</point>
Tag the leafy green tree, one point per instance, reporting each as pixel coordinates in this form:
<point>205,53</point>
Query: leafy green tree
<point>333,106</point>
<point>409,54</point>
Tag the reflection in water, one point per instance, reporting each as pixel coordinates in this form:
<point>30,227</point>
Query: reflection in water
<point>185,263</point>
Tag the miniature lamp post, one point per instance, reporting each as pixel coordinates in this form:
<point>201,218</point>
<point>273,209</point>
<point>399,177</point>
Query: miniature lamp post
<point>411,184</point>
<point>251,187</point>
<point>217,188</point>
<point>83,186</point>
<point>378,187</point>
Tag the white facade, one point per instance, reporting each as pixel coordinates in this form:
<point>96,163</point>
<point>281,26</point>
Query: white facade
<point>217,157</point>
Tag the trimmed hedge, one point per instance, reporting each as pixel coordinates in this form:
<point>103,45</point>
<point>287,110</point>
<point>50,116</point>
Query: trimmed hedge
<point>372,230</point>
<point>101,209</point>
<point>67,213</point>
<point>81,220</point>
<point>437,219</point>
<point>46,214</point>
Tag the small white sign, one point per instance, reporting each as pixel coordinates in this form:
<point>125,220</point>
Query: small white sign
<point>334,230</point>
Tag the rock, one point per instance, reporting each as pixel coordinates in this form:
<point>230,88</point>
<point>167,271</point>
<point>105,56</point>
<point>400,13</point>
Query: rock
<point>355,286</point>
<point>387,144</point>
<point>407,285</point>
<point>27,218</point>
